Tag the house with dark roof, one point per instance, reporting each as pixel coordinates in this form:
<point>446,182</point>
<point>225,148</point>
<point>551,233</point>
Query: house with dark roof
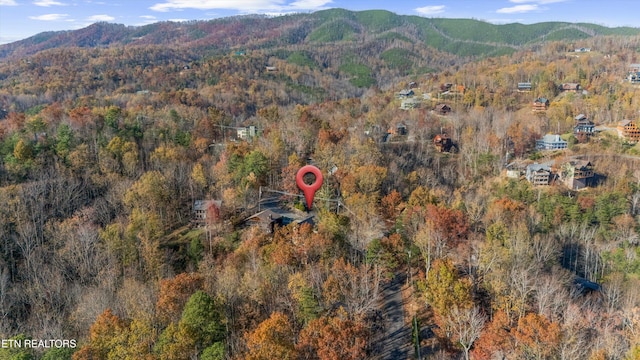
<point>446,87</point>
<point>551,142</point>
<point>540,104</point>
<point>267,220</point>
<point>634,77</point>
<point>443,109</point>
<point>271,218</point>
<point>573,87</point>
<point>538,174</point>
<point>577,174</point>
<point>405,93</point>
<point>524,86</point>
<point>584,128</point>
<point>399,130</point>
<point>442,142</point>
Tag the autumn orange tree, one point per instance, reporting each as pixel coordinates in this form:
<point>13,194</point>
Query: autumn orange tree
<point>537,337</point>
<point>174,294</point>
<point>496,338</point>
<point>102,336</point>
<point>391,205</point>
<point>334,338</point>
<point>272,339</point>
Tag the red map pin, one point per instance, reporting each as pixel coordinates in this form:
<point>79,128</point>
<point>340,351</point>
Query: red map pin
<point>309,190</point>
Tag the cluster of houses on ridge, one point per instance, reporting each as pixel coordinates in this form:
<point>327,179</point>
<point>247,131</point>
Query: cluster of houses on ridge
<point>408,100</point>
<point>583,130</point>
<point>574,173</point>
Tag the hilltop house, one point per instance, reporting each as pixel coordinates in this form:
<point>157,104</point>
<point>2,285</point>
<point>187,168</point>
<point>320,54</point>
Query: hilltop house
<point>524,86</point>
<point>584,128</point>
<point>399,130</point>
<point>442,142</point>
<point>245,133</point>
<point>267,220</point>
<point>446,87</point>
<point>405,93</point>
<point>551,142</point>
<point>206,211</point>
<point>573,87</point>
<point>515,169</point>
<point>443,109</point>
<point>581,50</point>
<point>577,174</point>
<point>629,130</point>
<point>540,104</point>
<point>538,174</point>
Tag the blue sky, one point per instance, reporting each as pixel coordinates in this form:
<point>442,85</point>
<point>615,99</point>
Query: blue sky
<point>20,19</point>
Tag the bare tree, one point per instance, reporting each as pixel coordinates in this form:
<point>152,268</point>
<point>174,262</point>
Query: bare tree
<point>546,249</point>
<point>551,293</point>
<point>465,326</point>
<point>613,292</point>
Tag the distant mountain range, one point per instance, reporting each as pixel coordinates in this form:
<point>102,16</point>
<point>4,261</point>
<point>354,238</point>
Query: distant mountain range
<point>460,37</point>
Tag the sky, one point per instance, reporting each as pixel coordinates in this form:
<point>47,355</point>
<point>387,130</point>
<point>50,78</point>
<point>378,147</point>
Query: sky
<point>20,19</point>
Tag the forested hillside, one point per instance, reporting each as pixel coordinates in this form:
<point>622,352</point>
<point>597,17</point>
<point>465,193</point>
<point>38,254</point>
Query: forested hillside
<point>110,136</point>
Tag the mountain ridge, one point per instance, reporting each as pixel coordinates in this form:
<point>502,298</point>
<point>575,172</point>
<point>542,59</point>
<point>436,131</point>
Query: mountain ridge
<point>460,37</point>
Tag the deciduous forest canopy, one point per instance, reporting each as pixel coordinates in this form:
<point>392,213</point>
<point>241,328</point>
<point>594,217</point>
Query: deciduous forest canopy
<point>136,163</point>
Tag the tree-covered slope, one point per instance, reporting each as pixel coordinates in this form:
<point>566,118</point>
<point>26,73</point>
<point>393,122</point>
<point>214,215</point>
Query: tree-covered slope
<point>461,37</point>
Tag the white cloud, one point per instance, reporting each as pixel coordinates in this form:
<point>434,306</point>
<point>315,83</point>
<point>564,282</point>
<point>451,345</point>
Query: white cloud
<point>8,3</point>
<point>47,3</point>
<point>49,17</point>
<point>430,10</point>
<point>150,17</point>
<point>243,5</point>
<point>309,4</point>
<point>518,9</point>
<point>102,17</point>
<point>247,6</point>
<point>178,20</point>
<point>527,6</point>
